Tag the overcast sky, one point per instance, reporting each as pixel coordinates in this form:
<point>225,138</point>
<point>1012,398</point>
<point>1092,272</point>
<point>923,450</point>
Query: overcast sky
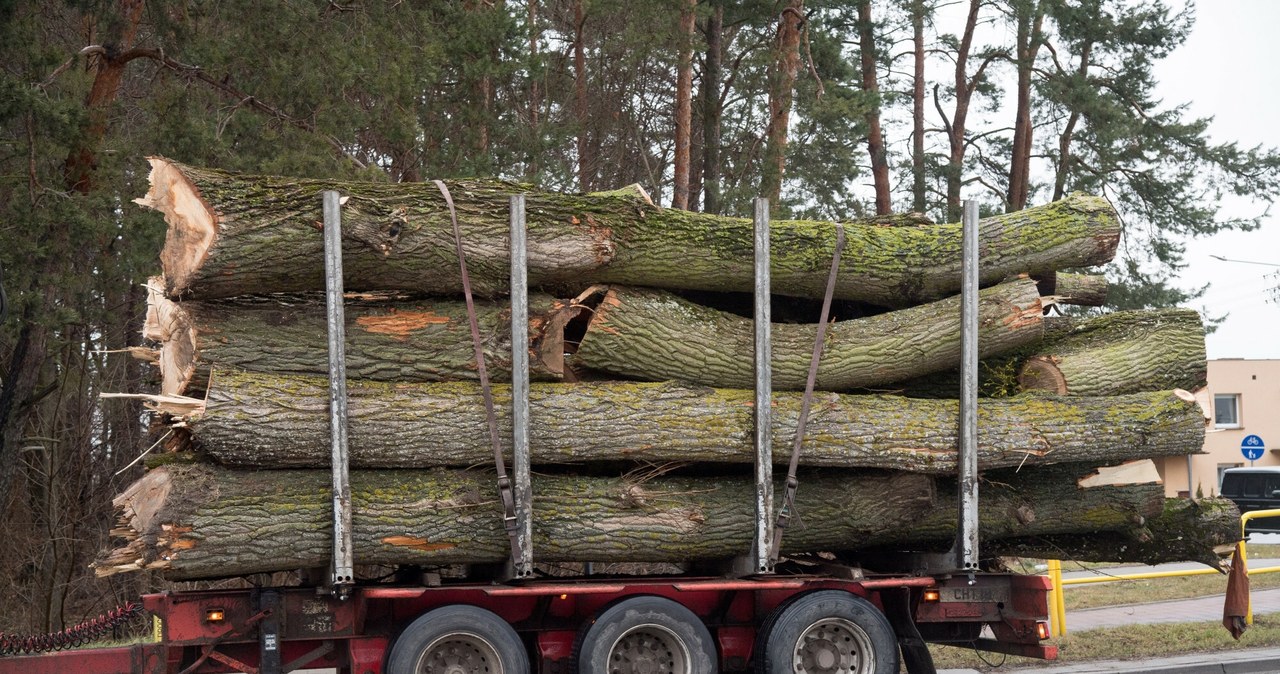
<point>1229,69</point>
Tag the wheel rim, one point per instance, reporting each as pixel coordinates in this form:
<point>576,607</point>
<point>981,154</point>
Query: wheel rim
<point>834,646</point>
<point>459,653</point>
<point>649,649</point>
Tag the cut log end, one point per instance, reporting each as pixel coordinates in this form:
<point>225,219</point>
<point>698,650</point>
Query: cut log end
<point>192,223</point>
<point>1041,373</point>
<point>168,324</point>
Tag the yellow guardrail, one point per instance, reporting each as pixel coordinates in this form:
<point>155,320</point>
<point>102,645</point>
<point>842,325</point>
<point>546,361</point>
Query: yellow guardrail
<point>1057,605</point>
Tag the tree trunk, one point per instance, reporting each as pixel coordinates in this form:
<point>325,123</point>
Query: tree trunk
<point>871,86</point>
<point>233,235</point>
<point>654,336</point>
<point>1113,354</point>
<point>782,82</point>
<point>1124,352</point>
<point>586,162</point>
<point>1082,290</point>
<point>1053,500</point>
<point>684,107</point>
<point>261,420</point>
<point>1029,16</point>
<point>964,88</point>
<point>1201,530</point>
<point>712,108</point>
<point>919,203</point>
<point>401,341</point>
<point>201,522</point>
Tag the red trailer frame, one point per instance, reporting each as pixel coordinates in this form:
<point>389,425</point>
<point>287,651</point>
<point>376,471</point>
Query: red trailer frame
<point>282,629</point>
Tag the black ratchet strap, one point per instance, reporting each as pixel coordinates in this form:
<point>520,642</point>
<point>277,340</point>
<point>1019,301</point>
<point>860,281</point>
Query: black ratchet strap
<point>789,496</point>
<point>505,490</point>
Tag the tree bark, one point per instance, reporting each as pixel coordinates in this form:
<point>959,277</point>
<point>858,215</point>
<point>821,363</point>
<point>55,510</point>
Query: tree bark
<point>1052,499</point>
<point>1082,290</point>
<point>965,85</point>
<point>386,340</point>
<point>1202,530</point>
<point>684,107</point>
<point>201,522</point>
<point>871,86</point>
<point>1124,352</point>
<point>1029,16</point>
<point>712,108</point>
<point>1118,353</point>
<point>586,162</point>
<point>654,336</point>
<point>233,235</point>
<point>261,420</point>
<point>919,202</point>
<point>782,82</point>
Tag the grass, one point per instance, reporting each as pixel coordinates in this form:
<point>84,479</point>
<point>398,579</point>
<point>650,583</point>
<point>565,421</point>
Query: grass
<point>1156,589</point>
<point>1124,643</point>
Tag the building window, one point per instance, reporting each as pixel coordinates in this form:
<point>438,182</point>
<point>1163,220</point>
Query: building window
<point>1226,410</point>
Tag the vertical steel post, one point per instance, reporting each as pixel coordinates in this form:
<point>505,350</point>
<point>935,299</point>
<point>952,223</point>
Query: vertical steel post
<point>343,576</point>
<point>966,545</point>
<point>520,389</point>
<point>764,391</point>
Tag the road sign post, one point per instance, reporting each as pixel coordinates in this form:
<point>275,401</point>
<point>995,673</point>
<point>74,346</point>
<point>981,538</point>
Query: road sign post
<point>1252,447</point>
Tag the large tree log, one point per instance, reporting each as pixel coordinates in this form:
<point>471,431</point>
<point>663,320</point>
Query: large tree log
<point>1203,530</point>
<point>201,522</point>
<point>1086,290</point>
<point>233,235</point>
<point>1122,352</point>
<point>386,340</point>
<point>255,419</point>
<point>1118,353</point>
<point>655,336</point>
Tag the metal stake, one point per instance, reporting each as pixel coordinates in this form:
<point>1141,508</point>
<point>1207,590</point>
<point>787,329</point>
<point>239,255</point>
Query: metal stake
<point>764,391</point>
<point>520,390</point>
<point>966,544</point>
<point>343,575</point>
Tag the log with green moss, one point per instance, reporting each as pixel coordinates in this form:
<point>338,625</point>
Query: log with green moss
<point>1203,530</point>
<point>1117,353</point>
<point>264,420</point>
<point>386,339</point>
<point>200,522</point>
<point>1123,352</point>
<point>1085,290</point>
<point>654,336</point>
<point>235,234</point>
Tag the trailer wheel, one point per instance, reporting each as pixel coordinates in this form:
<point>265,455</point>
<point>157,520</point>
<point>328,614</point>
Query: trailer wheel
<point>458,639</point>
<point>646,635</point>
<point>827,632</point>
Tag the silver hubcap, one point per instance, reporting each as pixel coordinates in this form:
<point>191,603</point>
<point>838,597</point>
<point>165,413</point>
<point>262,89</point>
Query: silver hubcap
<point>834,646</point>
<point>648,649</point>
<point>459,653</point>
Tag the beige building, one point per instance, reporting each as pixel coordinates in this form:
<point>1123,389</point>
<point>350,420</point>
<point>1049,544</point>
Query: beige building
<point>1241,399</point>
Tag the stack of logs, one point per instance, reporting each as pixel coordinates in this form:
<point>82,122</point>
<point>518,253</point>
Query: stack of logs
<point>642,410</point>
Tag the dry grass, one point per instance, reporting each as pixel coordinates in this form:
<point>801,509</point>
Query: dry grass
<point>1123,592</point>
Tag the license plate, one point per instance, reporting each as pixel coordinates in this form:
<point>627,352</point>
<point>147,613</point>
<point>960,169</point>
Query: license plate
<point>989,594</point>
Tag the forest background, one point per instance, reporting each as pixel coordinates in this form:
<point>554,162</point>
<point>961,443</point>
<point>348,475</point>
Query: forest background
<point>834,110</point>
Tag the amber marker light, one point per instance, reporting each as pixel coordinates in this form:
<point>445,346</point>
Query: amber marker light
<point>215,615</point>
<point>564,596</point>
<point>1042,630</point>
<point>932,594</point>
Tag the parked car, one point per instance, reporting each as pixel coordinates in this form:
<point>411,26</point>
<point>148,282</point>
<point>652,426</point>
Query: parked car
<point>1254,489</point>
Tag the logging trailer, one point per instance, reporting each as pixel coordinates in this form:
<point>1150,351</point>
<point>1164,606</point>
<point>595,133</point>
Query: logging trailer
<point>757,613</point>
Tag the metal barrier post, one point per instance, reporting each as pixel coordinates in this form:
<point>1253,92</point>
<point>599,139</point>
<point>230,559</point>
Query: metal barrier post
<point>1057,602</point>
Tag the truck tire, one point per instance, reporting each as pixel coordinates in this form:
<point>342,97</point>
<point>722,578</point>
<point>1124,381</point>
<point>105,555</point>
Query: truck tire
<point>646,634</point>
<point>458,638</point>
<point>827,632</point>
